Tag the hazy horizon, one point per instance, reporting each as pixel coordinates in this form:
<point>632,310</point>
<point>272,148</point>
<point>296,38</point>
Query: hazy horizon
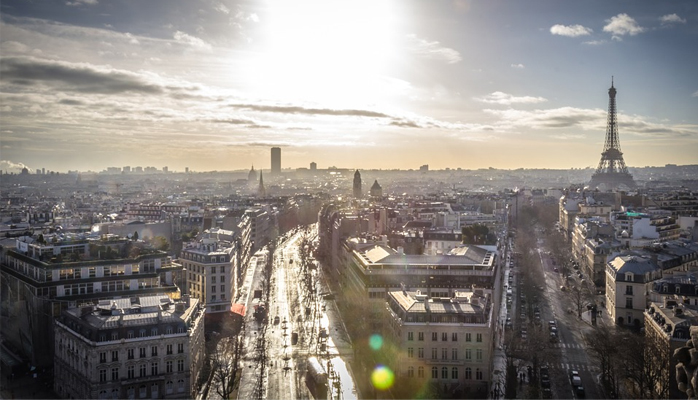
<point>213,85</point>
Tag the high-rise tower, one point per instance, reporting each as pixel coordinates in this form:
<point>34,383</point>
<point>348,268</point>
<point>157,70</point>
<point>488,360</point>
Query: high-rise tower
<point>612,171</point>
<point>357,184</point>
<point>275,160</point>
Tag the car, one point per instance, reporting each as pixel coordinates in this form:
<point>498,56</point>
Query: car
<point>553,336</point>
<point>552,323</point>
<point>276,320</point>
<point>580,391</point>
<point>547,393</point>
<point>562,288</point>
<point>556,269</point>
<point>574,374</point>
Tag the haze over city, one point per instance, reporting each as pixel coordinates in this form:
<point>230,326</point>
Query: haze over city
<point>211,85</point>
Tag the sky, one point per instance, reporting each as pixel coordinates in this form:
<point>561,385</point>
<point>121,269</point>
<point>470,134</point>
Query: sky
<point>384,84</point>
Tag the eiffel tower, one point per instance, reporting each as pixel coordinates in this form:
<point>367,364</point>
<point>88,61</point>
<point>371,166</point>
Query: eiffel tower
<point>612,172</point>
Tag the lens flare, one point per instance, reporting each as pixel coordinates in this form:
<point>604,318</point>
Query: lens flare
<point>375,342</point>
<point>382,378</point>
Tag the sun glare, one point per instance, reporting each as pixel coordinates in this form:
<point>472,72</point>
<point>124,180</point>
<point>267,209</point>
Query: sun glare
<point>334,52</point>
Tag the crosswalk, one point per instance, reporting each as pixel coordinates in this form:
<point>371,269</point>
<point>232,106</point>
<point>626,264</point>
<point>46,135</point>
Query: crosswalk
<point>567,346</point>
<point>576,367</point>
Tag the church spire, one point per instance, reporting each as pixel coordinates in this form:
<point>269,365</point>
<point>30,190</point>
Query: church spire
<point>261,192</point>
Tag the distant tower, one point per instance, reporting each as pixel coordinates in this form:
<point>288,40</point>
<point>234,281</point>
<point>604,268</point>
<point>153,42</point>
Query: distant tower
<point>275,160</point>
<point>261,192</point>
<point>612,171</point>
<point>357,184</point>
<point>252,178</point>
<point>313,166</point>
<point>376,190</point>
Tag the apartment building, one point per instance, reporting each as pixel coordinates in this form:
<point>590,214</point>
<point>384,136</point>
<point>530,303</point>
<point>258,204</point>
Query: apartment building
<point>44,277</point>
<point>211,269</point>
<point>628,280</point>
<point>129,348</point>
<point>445,341</point>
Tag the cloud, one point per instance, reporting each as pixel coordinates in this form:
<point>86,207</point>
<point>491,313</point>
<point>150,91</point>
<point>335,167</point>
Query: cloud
<point>670,19</point>
<point>9,166</point>
<point>594,42</point>
<point>192,41</point>
<point>695,94</point>
<point>504,98</point>
<point>622,24</point>
<point>80,2</point>
<point>567,136</point>
<point>587,119</point>
<point>570,30</point>
<point>310,111</point>
<point>74,77</point>
<point>433,50</point>
<point>222,8</point>
<point>14,47</point>
<point>518,66</point>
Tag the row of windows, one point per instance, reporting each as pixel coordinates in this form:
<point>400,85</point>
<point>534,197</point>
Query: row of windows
<point>444,353</point>
<point>453,319</point>
<point>142,352</point>
<point>444,336</point>
<point>142,370</point>
<point>142,391</point>
<point>444,373</point>
<point>103,337</point>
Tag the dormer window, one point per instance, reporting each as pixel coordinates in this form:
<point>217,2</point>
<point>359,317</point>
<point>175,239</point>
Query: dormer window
<point>629,276</point>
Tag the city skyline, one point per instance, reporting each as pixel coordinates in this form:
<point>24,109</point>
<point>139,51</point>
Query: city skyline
<point>213,85</point>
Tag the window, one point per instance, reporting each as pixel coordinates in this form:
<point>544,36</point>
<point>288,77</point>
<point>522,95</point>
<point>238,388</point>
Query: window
<point>434,336</point>
<point>180,365</point>
<point>478,374</point>
<point>628,302</point>
<point>468,337</point>
<point>410,335</point>
<point>141,391</point>
<point>468,354</point>
<point>454,373</point>
<point>103,357</point>
<point>154,391</point>
<point>141,370</point>
<point>434,373</point>
<point>478,338</point>
<point>130,334</point>
<point>444,373</point>
<point>420,352</point>
<point>468,373</point>
<point>444,337</point>
<point>102,375</point>
<point>421,336</point>
<point>115,374</point>
<point>180,385</point>
<point>454,337</point>
<point>454,354</point>
<point>222,288</point>
<point>420,372</point>
<point>433,353</point>
<point>169,330</point>
<point>180,348</point>
<point>629,290</point>
<point>154,332</point>
<point>213,279</point>
<point>410,372</point>
<point>478,354</point>
<point>153,368</point>
<point>141,352</point>
<point>444,354</point>
<point>169,349</point>
<point>115,336</point>
<point>213,297</point>
<point>169,386</point>
<point>115,355</point>
<point>213,289</point>
<point>168,367</point>
<point>130,371</point>
<point>410,352</point>
<point>213,271</point>
<point>154,351</point>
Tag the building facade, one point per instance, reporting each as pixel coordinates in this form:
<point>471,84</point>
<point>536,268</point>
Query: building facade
<point>139,347</point>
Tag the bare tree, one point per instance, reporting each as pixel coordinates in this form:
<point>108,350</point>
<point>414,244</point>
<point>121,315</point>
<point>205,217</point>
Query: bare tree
<point>581,294</point>
<point>225,365</point>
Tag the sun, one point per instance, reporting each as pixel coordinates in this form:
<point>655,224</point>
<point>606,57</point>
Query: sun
<point>326,51</point>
